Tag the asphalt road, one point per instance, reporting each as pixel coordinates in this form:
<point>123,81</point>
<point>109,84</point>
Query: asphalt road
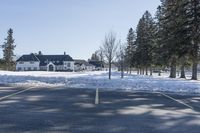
<point>73,111</point>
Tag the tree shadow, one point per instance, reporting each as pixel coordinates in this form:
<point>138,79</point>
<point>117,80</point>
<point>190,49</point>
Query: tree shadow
<point>73,111</point>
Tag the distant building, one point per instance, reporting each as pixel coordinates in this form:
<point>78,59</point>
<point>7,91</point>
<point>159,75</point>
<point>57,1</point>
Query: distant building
<point>80,65</point>
<point>99,65</point>
<point>39,62</point>
<point>113,67</point>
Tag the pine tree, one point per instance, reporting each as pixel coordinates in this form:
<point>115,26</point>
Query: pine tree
<point>145,42</point>
<point>159,52</point>
<point>95,56</point>
<point>8,49</point>
<point>169,38</point>
<point>130,48</point>
<point>193,20</point>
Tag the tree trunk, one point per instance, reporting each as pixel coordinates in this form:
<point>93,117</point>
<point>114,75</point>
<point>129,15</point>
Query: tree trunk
<point>109,69</point>
<point>173,69</point>
<point>182,71</point>
<point>194,70</point>
<point>159,72</point>
<point>142,71</point>
<point>130,69</point>
<point>146,71</point>
<point>138,71</point>
<point>195,63</point>
<point>151,73</point>
<point>122,70</point>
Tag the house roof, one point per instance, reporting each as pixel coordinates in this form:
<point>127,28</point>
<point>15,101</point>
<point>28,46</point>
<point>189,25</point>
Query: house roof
<point>96,63</point>
<point>56,59</point>
<point>45,59</point>
<point>80,62</point>
<point>30,57</point>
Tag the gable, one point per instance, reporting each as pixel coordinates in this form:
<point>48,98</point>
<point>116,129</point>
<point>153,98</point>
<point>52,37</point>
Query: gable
<point>30,57</point>
<point>55,59</point>
<point>46,59</point>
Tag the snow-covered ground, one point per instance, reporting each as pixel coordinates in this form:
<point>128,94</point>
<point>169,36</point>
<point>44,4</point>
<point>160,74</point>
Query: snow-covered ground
<point>100,79</point>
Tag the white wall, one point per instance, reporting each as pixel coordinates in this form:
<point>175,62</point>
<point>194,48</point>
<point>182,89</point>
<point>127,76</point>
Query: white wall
<point>77,67</point>
<point>83,67</point>
<point>66,65</point>
<point>90,68</point>
<point>28,66</point>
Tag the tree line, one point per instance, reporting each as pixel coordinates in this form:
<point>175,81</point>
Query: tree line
<point>170,39</point>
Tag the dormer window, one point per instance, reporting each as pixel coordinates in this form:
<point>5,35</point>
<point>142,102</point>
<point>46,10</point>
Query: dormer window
<point>21,62</point>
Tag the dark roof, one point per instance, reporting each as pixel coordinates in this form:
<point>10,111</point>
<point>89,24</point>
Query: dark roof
<point>45,59</point>
<point>96,63</point>
<point>30,57</point>
<point>80,62</point>
<point>58,59</point>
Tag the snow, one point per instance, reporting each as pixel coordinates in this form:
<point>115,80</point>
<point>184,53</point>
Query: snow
<point>99,79</point>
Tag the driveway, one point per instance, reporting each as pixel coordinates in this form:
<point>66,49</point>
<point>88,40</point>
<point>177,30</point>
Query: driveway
<point>68,110</point>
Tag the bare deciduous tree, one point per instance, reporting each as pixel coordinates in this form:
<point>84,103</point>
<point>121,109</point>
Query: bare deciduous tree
<point>109,48</point>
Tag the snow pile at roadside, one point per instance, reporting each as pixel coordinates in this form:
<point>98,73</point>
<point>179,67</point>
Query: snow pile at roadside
<point>100,80</point>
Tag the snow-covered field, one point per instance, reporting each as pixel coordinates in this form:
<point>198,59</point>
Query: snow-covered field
<point>100,79</point>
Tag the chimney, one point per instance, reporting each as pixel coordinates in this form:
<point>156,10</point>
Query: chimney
<point>64,53</point>
<point>39,53</point>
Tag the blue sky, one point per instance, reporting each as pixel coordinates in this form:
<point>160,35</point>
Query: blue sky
<point>75,26</point>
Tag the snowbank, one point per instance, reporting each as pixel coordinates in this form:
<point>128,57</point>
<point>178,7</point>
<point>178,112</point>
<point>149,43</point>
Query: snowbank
<point>100,80</point>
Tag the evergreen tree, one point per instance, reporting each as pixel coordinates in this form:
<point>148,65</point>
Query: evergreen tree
<point>95,56</point>
<point>170,38</point>
<point>8,49</point>
<point>145,42</point>
<point>159,52</point>
<point>130,48</point>
<point>193,24</point>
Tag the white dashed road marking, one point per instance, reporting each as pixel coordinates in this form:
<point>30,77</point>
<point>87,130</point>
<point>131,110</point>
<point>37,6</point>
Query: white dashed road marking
<point>179,101</point>
<point>13,94</point>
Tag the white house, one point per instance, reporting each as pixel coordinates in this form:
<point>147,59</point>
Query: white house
<point>98,65</point>
<point>39,62</point>
<point>80,65</point>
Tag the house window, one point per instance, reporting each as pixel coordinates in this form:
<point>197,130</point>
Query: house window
<point>21,62</point>
<point>68,65</point>
<point>19,68</point>
<point>32,62</point>
<point>29,68</point>
<point>35,68</point>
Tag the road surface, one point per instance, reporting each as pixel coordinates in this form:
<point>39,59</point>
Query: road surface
<point>67,110</point>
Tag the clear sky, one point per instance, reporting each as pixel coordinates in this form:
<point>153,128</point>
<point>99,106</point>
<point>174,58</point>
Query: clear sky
<point>75,26</point>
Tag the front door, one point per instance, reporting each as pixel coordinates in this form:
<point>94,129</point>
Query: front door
<point>51,68</point>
